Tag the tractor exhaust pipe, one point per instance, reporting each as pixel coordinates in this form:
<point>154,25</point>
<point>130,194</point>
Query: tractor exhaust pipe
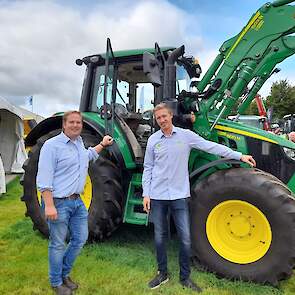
<point>169,89</point>
<point>170,74</point>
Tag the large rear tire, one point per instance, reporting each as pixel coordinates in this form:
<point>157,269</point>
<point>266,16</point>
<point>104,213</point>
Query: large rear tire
<point>104,200</point>
<point>108,199</point>
<point>243,226</point>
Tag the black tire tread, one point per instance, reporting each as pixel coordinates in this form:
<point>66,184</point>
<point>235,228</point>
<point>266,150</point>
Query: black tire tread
<point>272,267</point>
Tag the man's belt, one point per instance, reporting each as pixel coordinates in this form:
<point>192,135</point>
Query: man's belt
<point>72,197</point>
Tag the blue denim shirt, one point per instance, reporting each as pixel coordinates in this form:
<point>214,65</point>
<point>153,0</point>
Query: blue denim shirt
<point>165,175</point>
<point>63,165</point>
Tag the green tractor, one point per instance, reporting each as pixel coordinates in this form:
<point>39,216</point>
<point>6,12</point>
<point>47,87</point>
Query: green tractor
<point>242,219</point>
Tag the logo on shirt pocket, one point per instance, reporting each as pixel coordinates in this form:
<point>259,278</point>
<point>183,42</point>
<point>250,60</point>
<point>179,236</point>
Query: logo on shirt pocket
<point>158,146</point>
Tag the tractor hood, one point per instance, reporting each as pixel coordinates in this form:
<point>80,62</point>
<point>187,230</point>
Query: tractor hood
<point>246,130</point>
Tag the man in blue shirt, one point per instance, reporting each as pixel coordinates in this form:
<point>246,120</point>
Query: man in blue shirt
<point>62,171</point>
<point>165,183</point>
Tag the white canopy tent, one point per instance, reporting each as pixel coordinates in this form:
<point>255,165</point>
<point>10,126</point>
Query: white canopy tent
<point>12,147</point>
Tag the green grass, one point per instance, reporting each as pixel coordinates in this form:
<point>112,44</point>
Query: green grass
<point>122,265</point>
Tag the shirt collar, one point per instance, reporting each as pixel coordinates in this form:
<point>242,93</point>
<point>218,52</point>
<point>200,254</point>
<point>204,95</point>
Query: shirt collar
<point>174,130</point>
<point>66,139</point>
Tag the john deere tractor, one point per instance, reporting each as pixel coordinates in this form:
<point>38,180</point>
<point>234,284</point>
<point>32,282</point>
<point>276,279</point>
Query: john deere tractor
<point>242,219</point>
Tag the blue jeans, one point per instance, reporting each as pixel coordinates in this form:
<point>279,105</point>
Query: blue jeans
<point>72,220</point>
<point>180,213</point>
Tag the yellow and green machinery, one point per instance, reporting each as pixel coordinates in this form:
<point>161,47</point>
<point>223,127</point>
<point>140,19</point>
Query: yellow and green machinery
<point>242,218</point>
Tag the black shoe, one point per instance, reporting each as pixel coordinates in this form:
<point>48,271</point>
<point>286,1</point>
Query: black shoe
<point>62,290</point>
<point>188,283</point>
<point>158,280</point>
<point>69,283</point>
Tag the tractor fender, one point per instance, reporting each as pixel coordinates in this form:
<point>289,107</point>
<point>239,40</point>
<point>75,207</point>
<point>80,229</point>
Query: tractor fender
<point>44,127</point>
<point>198,172</point>
<point>55,122</point>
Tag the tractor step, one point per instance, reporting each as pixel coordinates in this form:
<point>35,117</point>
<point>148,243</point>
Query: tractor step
<point>134,213</point>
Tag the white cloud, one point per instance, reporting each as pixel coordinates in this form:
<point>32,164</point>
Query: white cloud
<point>40,41</point>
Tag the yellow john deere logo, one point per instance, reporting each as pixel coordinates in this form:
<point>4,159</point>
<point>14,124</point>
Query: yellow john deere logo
<point>157,146</point>
<point>258,23</point>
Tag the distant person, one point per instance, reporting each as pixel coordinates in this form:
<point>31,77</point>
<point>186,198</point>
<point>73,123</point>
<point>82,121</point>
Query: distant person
<point>291,136</point>
<point>165,183</point>
<point>275,128</point>
<point>61,177</point>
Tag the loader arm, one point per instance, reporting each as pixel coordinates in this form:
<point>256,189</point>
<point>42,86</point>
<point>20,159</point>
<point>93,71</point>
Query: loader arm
<point>249,56</point>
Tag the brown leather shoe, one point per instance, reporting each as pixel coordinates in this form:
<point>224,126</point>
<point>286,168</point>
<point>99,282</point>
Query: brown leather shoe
<point>70,284</point>
<point>62,290</point>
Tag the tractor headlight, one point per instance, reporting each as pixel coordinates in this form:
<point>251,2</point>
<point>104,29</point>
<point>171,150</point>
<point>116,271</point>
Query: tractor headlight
<point>290,153</point>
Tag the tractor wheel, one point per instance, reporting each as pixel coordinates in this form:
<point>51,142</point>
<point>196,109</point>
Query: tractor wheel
<point>243,226</point>
<point>103,194</point>
<point>108,199</point>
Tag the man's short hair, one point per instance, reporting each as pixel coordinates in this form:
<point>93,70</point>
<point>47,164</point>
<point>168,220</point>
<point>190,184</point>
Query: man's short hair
<point>67,114</point>
<point>162,106</point>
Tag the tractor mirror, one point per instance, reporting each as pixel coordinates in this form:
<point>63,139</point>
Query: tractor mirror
<point>151,69</point>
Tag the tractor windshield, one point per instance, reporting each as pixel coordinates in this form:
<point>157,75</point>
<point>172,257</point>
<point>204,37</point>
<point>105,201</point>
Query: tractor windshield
<point>133,93</point>
<point>182,79</point>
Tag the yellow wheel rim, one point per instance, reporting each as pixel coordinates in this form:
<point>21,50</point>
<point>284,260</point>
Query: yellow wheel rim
<point>238,231</point>
<point>39,197</point>
<point>86,196</point>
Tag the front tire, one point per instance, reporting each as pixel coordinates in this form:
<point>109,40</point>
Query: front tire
<point>243,226</point>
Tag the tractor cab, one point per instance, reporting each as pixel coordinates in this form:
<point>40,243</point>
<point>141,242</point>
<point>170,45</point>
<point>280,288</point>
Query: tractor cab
<point>117,87</point>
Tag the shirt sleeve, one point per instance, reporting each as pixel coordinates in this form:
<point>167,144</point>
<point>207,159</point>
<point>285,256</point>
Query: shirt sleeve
<point>147,170</point>
<point>198,142</point>
<point>92,154</point>
<point>46,168</point>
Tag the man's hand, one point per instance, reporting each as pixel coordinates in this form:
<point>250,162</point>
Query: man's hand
<point>107,140</point>
<point>249,160</point>
<point>50,212</point>
<point>146,204</point>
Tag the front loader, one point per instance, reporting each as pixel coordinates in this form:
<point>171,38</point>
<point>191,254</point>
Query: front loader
<point>242,219</point>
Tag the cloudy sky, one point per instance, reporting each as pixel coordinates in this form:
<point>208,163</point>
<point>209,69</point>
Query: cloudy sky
<point>40,40</point>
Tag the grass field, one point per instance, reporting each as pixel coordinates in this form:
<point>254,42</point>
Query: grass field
<point>121,265</point>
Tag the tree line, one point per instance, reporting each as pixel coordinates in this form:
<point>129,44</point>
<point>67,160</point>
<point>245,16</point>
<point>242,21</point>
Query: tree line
<point>281,100</point>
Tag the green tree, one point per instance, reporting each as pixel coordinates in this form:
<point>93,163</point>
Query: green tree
<point>281,98</point>
<point>252,109</point>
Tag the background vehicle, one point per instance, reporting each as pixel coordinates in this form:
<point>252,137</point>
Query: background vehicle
<point>251,120</point>
<point>289,123</point>
<point>242,219</point>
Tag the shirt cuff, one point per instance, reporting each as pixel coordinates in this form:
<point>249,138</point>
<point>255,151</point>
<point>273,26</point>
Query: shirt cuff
<point>93,154</point>
<point>237,156</point>
<point>146,193</point>
<point>43,189</point>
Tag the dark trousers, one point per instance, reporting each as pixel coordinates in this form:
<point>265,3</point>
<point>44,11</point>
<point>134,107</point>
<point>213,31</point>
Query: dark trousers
<point>180,213</point>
